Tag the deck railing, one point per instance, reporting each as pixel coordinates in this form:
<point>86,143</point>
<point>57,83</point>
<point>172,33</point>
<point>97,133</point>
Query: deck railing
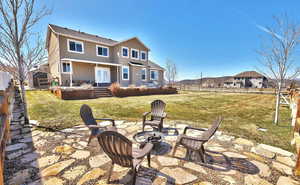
<point>6,106</point>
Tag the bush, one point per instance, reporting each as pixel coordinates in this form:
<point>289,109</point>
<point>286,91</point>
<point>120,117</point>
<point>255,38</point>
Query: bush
<point>117,91</point>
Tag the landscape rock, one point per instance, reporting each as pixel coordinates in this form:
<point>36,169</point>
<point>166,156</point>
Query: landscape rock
<point>74,172</point>
<point>98,160</point>
<point>275,150</point>
<point>282,168</point>
<point>14,147</point>
<point>91,175</point>
<point>255,180</point>
<point>53,180</point>
<point>65,149</point>
<point>48,160</point>
<point>263,152</point>
<point>264,169</point>
<point>167,161</point>
<point>286,181</point>
<point>80,154</point>
<point>286,160</point>
<point>56,168</point>
<point>29,157</point>
<point>194,167</point>
<point>241,141</point>
<point>179,175</point>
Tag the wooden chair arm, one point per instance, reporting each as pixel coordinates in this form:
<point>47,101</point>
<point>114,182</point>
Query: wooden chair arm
<point>146,114</point>
<point>192,128</point>
<point>192,138</point>
<point>94,126</point>
<point>144,151</point>
<point>107,119</point>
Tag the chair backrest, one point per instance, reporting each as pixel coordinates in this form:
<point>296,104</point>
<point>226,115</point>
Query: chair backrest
<point>117,147</point>
<point>212,130</point>
<point>157,109</point>
<point>87,115</point>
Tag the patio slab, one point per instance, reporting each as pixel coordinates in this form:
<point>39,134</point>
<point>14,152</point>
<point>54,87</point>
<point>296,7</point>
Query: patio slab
<point>63,157</point>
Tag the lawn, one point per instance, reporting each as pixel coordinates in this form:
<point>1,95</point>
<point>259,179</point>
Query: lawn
<point>243,113</point>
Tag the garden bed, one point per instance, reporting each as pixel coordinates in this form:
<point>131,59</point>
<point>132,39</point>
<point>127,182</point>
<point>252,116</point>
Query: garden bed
<point>73,93</point>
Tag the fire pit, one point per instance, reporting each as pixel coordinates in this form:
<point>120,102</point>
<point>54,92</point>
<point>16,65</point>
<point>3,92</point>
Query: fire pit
<point>149,136</point>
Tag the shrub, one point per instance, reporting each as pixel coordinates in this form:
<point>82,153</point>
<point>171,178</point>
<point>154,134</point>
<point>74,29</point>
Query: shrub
<point>117,91</point>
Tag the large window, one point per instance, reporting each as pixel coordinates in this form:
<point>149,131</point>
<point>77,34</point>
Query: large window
<point>125,73</point>
<point>75,46</point>
<point>134,54</point>
<point>102,51</point>
<point>125,52</point>
<point>143,55</point>
<point>66,66</point>
<point>153,75</point>
<point>144,73</point>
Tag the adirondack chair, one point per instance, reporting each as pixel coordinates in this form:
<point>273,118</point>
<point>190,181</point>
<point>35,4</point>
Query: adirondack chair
<point>119,149</point>
<point>157,115</point>
<point>195,144</point>
<point>91,122</point>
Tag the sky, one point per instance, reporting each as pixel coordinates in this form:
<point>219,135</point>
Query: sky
<point>212,37</point>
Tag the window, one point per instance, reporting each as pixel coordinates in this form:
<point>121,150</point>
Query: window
<point>125,52</point>
<point>125,73</point>
<point>102,51</point>
<point>134,54</point>
<point>66,66</point>
<point>143,55</point>
<point>153,75</point>
<point>75,46</point>
<point>144,73</point>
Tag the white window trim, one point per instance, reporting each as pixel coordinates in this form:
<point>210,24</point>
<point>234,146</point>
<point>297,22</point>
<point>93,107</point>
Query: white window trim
<point>138,54</point>
<point>100,46</point>
<point>145,55</point>
<point>62,68</point>
<point>144,69</point>
<point>151,75</point>
<point>127,52</point>
<point>75,42</point>
<point>123,72</point>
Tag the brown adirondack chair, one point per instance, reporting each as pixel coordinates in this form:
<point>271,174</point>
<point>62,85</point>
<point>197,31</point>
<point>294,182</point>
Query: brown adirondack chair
<point>91,122</point>
<point>157,115</point>
<point>120,151</point>
<point>196,143</point>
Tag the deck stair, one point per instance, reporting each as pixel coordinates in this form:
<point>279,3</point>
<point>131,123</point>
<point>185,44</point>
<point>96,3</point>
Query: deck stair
<point>102,92</point>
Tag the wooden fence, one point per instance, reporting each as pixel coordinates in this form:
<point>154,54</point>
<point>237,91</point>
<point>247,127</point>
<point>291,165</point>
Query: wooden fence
<point>295,107</point>
<point>6,106</point>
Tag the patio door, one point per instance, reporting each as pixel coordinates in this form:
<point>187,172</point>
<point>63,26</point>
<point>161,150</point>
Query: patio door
<point>102,75</point>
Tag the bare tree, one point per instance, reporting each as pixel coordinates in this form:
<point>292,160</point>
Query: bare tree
<point>277,54</point>
<point>20,48</point>
<point>171,72</point>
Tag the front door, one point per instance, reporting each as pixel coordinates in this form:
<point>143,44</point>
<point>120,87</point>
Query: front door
<point>102,75</point>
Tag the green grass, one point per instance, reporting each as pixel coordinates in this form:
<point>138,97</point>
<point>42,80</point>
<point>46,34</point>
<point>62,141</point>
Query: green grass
<point>243,113</point>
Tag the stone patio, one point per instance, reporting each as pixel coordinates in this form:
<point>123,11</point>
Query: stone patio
<point>53,158</point>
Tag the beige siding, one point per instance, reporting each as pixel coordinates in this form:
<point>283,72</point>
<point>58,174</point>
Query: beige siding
<point>89,51</point>
<point>83,71</point>
<point>134,43</point>
<point>53,55</point>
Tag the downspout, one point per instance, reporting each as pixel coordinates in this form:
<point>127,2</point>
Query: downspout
<point>59,66</point>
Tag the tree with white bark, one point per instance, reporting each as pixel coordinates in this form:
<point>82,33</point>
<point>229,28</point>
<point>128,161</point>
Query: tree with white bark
<point>20,48</point>
<point>171,72</point>
<point>277,54</point>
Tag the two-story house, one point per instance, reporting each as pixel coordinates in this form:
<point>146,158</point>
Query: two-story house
<point>76,57</point>
<point>247,79</point>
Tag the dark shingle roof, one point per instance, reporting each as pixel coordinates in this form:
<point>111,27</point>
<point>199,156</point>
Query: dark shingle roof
<point>81,35</point>
<point>246,74</point>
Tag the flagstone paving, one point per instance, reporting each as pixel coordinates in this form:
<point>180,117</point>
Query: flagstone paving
<point>38,157</point>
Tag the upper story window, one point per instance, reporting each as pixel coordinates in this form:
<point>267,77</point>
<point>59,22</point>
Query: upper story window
<point>75,46</point>
<point>134,54</point>
<point>125,52</point>
<point>144,73</point>
<point>154,75</point>
<point>125,72</point>
<point>143,55</point>
<point>66,67</point>
<point>102,51</point>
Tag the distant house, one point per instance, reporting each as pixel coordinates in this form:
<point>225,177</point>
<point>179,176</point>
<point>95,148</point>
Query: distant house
<point>247,79</point>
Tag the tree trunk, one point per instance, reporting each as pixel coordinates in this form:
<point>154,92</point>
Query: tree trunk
<point>23,92</point>
<point>277,106</point>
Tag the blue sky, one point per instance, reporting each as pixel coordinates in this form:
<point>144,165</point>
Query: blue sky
<point>213,37</point>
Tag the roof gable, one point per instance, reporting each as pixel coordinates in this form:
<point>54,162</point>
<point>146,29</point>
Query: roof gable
<point>133,38</point>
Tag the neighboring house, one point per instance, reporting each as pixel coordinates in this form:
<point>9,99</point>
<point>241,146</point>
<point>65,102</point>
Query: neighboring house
<point>76,57</point>
<point>247,79</point>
